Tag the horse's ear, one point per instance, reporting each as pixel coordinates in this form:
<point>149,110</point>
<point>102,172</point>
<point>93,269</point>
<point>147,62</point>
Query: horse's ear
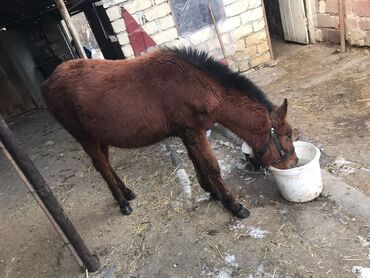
<point>278,115</point>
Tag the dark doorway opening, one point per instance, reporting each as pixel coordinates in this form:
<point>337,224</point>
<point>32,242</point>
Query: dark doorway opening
<point>274,19</point>
<point>275,25</point>
<point>288,22</point>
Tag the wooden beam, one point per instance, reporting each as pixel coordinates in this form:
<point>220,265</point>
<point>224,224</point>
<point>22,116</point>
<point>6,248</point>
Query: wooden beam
<point>41,205</point>
<point>310,22</point>
<point>342,27</point>
<point>64,12</point>
<point>267,30</point>
<point>54,211</point>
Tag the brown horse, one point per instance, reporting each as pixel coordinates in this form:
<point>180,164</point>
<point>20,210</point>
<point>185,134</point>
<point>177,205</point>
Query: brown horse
<point>168,92</point>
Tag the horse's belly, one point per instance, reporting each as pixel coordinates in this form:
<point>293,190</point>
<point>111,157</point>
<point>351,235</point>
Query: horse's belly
<point>140,139</point>
<point>138,132</point>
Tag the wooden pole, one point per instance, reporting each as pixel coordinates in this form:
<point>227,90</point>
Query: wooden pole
<point>45,197</point>
<point>42,206</point>
<point>342,27</point>
<point>267,30</point>
<point>64,12</point>
<point>217,33</point>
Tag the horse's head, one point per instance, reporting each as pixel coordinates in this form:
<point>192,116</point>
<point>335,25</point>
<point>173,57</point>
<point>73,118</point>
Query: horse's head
<point>278,149</point>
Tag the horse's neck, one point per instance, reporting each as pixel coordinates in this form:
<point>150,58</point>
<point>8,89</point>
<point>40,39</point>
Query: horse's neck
<point>246,118</point>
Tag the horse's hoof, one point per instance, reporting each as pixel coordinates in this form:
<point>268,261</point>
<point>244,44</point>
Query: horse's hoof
<point>129,195</point>
<point>214,197</point>
<point>242,213</point>
<point>126,210</point>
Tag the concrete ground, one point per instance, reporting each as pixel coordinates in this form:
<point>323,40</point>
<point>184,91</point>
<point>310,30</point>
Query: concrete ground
<point>163,237</point>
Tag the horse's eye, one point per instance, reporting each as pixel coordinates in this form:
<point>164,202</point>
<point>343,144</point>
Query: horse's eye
<point>290,135</point>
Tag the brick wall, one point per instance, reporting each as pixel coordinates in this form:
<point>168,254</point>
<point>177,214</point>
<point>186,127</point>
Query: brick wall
<point>357,21</point>
<point>242,30</point>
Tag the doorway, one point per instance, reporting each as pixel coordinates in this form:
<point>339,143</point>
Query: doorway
<point>289,21</point>
<point>85,35</point>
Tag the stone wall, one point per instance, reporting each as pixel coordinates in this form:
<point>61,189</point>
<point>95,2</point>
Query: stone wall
<point>357,21</point>
<point>242,30</point>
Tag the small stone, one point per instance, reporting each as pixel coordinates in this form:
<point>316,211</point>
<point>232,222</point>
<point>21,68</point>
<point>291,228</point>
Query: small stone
<point>272,64</point>
<point>240,166</point>
<point>50,143</point>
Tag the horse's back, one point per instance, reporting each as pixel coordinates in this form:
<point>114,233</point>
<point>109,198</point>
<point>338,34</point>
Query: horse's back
<point>109,100</point>
<point>149,98</point>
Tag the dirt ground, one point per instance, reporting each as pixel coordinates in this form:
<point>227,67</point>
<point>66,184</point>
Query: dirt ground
<point>164,238</point>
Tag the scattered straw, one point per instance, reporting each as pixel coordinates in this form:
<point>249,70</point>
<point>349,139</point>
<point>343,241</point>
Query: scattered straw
<point>214,224</point>
<point>247,204</point>
<point>273,275</point>
<point>281,227</point>
<point>218,250</point>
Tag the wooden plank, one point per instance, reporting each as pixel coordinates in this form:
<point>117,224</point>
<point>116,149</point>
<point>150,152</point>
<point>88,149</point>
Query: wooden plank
<point>293,18</point>
<point>310,11</point>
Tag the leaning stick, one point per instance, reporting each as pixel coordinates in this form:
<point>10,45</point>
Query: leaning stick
<point>217,33</point>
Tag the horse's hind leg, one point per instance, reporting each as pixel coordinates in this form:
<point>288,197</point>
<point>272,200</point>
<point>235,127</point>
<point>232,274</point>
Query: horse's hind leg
<point>92,148</point>
<point>208,171</point>
<point>129,195</point>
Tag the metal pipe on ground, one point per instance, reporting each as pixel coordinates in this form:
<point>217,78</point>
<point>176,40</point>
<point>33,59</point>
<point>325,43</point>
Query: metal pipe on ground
<point>45,198</point>
<point>181,175</point>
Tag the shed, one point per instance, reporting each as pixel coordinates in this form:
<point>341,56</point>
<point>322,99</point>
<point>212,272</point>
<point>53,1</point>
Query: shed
<point>33,41</point>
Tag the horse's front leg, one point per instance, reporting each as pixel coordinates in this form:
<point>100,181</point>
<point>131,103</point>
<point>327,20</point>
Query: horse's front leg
<point>209,176</point>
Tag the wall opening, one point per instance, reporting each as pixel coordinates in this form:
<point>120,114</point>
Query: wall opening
<point>274,19</point>
<point>288,22</point>
<point>86,36</point>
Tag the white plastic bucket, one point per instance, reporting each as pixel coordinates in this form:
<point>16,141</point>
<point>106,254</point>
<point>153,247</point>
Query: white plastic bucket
<point>303,183</point>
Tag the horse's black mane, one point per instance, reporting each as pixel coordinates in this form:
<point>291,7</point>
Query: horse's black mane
<point>222,73</point>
